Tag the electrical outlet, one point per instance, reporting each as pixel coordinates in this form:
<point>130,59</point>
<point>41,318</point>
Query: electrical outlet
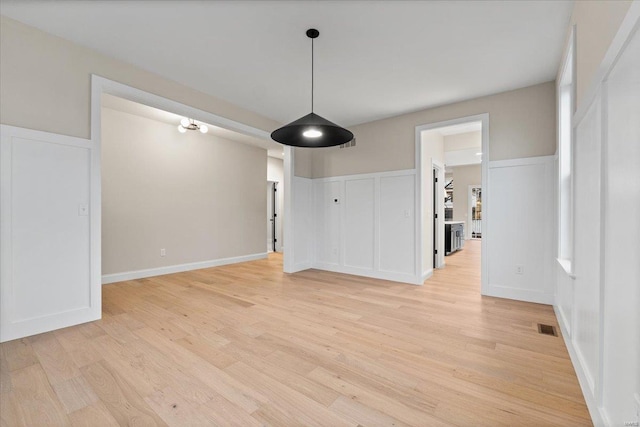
<point>163,252</point>
<point>519,269</point>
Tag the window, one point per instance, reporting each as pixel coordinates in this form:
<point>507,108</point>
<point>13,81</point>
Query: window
<point>566,90</point>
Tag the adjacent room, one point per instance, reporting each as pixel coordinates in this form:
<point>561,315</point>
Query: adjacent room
<point>354,213</point>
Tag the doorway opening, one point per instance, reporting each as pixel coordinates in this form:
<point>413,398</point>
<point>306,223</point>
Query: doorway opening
<point>176,209</point>
<point>452,159</point>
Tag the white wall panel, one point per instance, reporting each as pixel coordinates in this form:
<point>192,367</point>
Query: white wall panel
<point>397,224</point>
<point>621,345</point>
<point>359,232</point>
<point>49,184</point>
<point>48,280</point>
<point>586,263</point>
<point>365,225</point>
<point>328,221</point>
<point>522,214</point>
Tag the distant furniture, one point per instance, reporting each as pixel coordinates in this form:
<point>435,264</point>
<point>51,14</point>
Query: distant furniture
<point>453,236</point>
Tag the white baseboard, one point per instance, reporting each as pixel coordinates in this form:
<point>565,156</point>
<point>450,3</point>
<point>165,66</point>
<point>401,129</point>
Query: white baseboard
<point>597,416</point>
<point>383,275</point>
<point>301,266</point>
<point>426,275</point>
<point>170,269</point>
<point>519,294</point>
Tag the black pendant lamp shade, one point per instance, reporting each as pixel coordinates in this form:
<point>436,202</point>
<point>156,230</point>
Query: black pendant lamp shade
<point>294,133</point>
<point>312,130</point>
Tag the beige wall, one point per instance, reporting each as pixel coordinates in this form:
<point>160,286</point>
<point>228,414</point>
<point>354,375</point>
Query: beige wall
<point>597,23</point>
<point>303,161</point>
<point>463,177</point>
<point>463,141</point>
<point>521,124</point>
<point>45,83</point>
<point>198,196</point>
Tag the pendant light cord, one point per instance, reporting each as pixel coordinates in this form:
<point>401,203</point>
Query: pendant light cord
<point>312,75</point>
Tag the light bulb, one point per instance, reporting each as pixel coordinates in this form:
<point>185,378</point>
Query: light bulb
<point>184,122</point>
<point>204,129</point>
<point>181,129</point>
<point>312,133</point>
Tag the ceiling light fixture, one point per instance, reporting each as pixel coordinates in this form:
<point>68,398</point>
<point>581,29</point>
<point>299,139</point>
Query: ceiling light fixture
<point>312,130</point>
<point>190,124</point>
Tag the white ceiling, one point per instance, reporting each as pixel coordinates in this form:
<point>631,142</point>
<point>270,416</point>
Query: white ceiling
<point>115,103</point>
<point>374,59</point>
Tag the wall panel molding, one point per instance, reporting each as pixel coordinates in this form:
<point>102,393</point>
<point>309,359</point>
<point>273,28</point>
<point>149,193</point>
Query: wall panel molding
<point>50,224</point>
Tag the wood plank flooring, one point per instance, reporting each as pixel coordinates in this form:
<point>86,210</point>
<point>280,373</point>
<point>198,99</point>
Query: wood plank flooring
<point>247,345</point>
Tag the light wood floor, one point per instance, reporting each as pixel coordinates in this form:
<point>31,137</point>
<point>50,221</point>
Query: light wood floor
<point>247,345</point>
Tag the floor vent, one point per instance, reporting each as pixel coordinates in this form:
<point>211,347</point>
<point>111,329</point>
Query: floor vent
<point>547,330</point>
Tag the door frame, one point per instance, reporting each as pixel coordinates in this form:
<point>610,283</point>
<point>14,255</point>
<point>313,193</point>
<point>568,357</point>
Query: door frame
<point>421,180</point>
<point>438,220</point>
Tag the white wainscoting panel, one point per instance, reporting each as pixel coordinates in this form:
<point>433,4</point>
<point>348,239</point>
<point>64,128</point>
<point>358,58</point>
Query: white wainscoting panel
<point>586,262</point>
<point>328,224</point>
<point>397,224</point>
<point>621,279</point>
<point>359,220</point>
<point>522,202</point>
<point>365,225</point>
<point>48,280</point>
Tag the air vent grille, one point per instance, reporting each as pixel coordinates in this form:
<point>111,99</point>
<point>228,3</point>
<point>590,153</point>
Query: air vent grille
<point>351,143</point>
<point>547,330</point>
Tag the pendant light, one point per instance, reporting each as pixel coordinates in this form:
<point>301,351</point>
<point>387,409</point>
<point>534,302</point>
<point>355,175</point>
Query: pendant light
<point>312,130</point>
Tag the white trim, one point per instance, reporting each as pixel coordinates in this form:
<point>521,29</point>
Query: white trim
<point>625,31</point>
<point>484,118</point>
<point>39,135</point>
<point>380,274</point>
<point>401,172</point>
<point>178,268</point>
<point>509,292</point>
<point>440,167</point>
<point>567,266</point>
<point>102,85</point>
<point>595,411</point>
<point>524,161</point>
